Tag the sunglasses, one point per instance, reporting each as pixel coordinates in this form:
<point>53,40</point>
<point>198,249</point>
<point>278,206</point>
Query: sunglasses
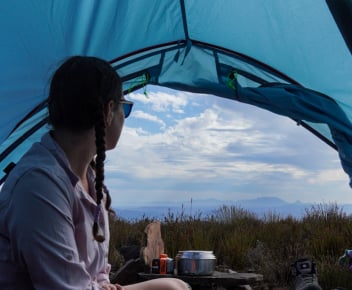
<point>127,107</point>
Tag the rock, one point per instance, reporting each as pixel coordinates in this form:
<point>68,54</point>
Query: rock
<point>155,244</point>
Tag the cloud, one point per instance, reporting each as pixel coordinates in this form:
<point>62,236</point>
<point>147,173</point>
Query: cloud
<point>149,117</point>
<point>218,147</point>
<point>161,101</point>
<point>329,175</point>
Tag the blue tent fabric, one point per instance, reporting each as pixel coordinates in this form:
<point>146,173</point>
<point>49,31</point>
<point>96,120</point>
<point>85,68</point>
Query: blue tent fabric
<point>290,57</point>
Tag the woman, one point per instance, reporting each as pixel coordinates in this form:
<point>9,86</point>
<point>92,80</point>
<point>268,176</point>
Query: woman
<point>53,207</point>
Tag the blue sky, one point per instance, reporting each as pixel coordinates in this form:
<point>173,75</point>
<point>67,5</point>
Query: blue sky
<point>176,146</point>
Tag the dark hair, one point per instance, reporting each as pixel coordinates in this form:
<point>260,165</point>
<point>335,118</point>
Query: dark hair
<point>79,91</point>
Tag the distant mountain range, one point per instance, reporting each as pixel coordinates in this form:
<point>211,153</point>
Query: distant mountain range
<point>259,206</point>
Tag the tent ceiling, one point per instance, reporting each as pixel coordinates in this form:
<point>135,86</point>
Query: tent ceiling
<point>288,57</point>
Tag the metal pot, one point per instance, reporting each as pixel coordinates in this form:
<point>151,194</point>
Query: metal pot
<point>195,262</point>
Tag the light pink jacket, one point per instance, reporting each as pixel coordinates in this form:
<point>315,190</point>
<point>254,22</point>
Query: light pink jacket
<point>46,220</point>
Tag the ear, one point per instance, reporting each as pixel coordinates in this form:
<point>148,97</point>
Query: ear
<point>109,113</point>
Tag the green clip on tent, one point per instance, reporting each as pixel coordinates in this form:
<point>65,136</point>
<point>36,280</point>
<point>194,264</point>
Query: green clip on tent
<point>290,57</point>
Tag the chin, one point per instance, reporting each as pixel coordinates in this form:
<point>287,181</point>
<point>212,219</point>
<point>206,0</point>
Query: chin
<point>110,145</point>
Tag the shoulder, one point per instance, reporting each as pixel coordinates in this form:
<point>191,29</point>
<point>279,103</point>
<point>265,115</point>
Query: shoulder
<point>38,172</point>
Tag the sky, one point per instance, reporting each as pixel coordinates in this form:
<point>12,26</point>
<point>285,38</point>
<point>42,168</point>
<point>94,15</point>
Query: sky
<point>177,146</point>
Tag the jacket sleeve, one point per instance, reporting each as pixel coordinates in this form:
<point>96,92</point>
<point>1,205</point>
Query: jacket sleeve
<point>42,231</point>
<point>103,277</point>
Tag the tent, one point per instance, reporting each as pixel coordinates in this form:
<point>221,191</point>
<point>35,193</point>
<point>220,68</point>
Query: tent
<point>290,57</point>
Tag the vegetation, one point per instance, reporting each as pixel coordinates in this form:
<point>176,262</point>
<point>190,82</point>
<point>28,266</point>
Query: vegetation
<point>243,242</point>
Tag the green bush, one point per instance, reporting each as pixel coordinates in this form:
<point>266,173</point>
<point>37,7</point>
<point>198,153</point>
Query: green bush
<point>241,241</point>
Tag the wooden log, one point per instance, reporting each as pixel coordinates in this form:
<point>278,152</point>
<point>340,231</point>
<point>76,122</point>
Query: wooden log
<point>218,280</point>
<point>128,273</point>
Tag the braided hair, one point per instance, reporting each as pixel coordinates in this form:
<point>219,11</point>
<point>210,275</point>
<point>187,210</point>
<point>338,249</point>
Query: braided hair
<point>79,92</point>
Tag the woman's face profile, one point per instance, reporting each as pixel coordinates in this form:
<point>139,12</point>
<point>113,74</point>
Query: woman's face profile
<point>114,125</point>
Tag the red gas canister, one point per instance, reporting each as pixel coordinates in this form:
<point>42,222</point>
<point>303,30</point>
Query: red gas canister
<point>163,263</point>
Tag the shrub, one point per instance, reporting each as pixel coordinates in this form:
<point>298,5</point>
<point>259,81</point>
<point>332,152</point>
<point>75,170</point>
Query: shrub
<point>242,241</point>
